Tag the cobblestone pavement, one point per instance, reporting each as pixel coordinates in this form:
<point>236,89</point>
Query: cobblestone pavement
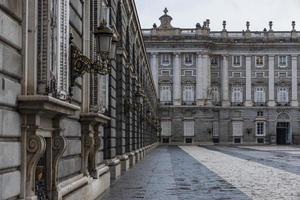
<point>223,173</point>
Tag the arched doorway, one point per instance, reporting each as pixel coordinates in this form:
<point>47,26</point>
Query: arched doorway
<point>283,129</point>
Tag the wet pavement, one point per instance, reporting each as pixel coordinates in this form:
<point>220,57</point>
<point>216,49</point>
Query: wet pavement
<point>215,172</point>
<point>168,173</point>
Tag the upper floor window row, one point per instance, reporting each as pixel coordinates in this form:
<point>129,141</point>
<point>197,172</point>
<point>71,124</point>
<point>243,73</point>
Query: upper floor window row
<point>188,59</point>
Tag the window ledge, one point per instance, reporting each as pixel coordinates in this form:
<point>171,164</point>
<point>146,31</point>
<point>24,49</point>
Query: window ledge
<point>46,105</point>
<point>94,117</point>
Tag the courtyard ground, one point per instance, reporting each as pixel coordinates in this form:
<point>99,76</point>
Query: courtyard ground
<point>215,172</point>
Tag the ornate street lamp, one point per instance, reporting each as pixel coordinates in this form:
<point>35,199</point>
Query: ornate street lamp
<point>103,36</point>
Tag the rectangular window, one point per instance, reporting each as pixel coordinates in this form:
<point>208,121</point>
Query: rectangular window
<point>259,95</point>
<point>259,61</point>
<point>188,59</point>
<point>260,128</point>
<point>188,93</point>
<point>237,95</point>
<point>165,140</point>
<point>237,128</point>
<point>283,95</point>
<point>282,61</point>
<point>260,140</point>
<point>214,61</point>
<point>165,93</point>
<point>215,94</point>
<point>236,61</point>
<point>237,140</point>
<point>166,128</point>
<point>165,59</point>
<point>260,113</point>
<point>188,140</point>
<point>188,127</point>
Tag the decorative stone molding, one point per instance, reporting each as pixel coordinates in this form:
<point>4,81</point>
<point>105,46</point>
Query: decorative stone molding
<point>92,140</point>
<point>35,147</point>
<point>58,148</point>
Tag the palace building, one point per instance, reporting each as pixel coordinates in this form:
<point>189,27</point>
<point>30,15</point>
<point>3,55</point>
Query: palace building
<point>223,87</point>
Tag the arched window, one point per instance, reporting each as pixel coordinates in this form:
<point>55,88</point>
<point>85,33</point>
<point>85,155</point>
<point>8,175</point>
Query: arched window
<point>237,95</point>
<point>165,93</point>
<point>260,95</point>
<point>283,95</point>
<point>188,93</point>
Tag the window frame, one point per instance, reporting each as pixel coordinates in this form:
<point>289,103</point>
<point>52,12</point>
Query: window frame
<point>215,92</point>
<point>214,58</point>
<point>263,61</point>
<point>263,91</point>
<point>164,61</point>
<point>191,59</point>
<point>279,61</point>
<point>166,125</point>
<point>191,89</point>
<point>234,64</point>
<point>260,128</point>
<point>188,128</point>
<point>282,90</point>
<point>168,96</point>
<point>235,90</point>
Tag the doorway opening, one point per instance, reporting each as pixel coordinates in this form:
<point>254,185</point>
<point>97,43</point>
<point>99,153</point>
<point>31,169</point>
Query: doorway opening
<point>282,131</point>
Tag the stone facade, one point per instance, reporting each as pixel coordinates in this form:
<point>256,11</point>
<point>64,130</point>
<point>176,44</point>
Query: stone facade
<point>225,87</point>
<point>65,135</point>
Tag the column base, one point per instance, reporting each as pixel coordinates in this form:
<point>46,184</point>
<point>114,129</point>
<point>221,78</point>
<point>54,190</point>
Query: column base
<point>225,103</point>
<point>271,103</point>
<point>295,103</point>
<point>248,103</point>
<point>200,102</point>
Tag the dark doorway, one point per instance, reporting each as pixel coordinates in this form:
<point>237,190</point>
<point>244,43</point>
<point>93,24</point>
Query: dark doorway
<point>282,131</point>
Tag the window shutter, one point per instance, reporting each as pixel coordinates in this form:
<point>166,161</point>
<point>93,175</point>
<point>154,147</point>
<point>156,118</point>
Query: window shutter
<point>237,128</point>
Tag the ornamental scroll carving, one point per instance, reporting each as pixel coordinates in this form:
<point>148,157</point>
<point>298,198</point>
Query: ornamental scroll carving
<point>58,148</point>
<point>93,153</point>
<point>88,146</point>
<point>35,147</point>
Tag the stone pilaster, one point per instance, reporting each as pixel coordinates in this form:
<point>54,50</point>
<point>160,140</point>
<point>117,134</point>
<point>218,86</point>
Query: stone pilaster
<point>154,69</point>
<point>294,102</point>
<point>177,79</point>
<point>206,79</point>
<point>271,101</point>
<point>248,101</point>
<point>225,82</point>
<point>199,80</point>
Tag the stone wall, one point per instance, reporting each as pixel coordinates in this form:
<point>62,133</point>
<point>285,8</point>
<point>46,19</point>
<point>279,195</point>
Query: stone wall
<point>10,88</point>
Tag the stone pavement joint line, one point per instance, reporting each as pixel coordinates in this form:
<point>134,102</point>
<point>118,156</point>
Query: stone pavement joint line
<point>259,182</point>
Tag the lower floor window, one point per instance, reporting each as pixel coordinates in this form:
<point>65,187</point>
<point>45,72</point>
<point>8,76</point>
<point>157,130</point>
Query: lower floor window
<point>260,128</point>
<point>237,140</point>
<point>215,140</point>
<point>260,140</point>
<point>165,140</point>
<point>188,140</point>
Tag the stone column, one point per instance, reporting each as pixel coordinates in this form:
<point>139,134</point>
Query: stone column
<point>199,80</point>
<point>294,102</point>
<point>248,101</point>
<point>154,69</point>
<point>177,79</point>
<point>225,82</point>
<point>271,101</point>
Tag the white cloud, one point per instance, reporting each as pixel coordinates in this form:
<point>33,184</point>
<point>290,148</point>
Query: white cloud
<point>186,13</point>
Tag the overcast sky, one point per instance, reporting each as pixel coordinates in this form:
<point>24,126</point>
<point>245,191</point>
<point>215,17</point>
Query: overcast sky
<point>186,13</point>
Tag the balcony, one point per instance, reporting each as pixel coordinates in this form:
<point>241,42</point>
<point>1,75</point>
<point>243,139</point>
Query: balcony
<point>188,103</point>
<point>260,104</point>
<point>237,103</point>
<point>283,103</point>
